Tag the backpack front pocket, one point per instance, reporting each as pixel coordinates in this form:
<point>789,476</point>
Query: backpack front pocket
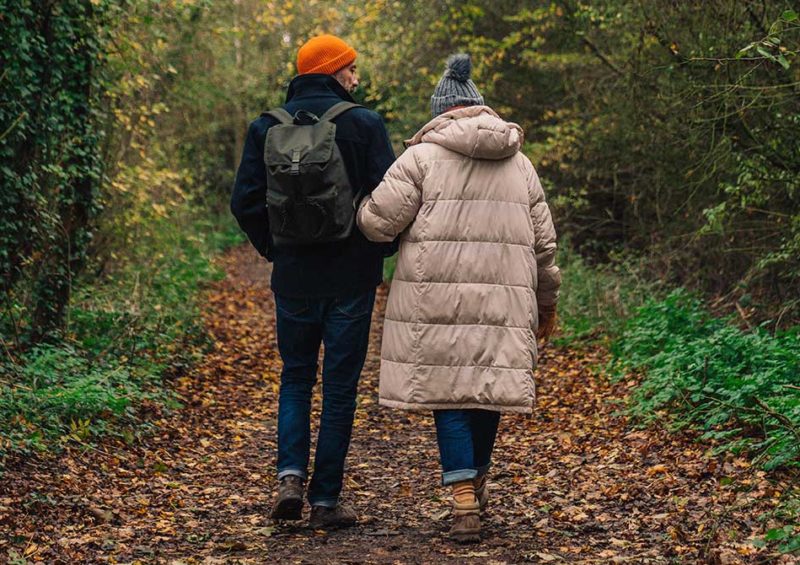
<point>308,219</point>
<point>279,212</point>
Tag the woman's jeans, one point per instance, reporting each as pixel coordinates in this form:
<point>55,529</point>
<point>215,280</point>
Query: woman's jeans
<point>466,440</point>
<point>342,324</point>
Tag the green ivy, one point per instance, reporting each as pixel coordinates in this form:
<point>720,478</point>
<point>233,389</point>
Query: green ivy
<point>51,88</point>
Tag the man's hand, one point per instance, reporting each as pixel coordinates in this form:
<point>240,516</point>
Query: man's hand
<point>547,322</point>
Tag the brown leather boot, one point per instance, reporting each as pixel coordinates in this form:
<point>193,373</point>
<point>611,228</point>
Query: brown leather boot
<point>289,504</point>
<point>326,518</point>
<point>481,491</point>
<point>466,513</point>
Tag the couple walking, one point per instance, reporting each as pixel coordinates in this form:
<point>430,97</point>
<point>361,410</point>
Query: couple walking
<point>320,194</point>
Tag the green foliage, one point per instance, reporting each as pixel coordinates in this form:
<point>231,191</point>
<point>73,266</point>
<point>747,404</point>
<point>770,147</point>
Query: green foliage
<point>783,538</point>
<point>61,394</point>
<point>787,540</point>
<point>663,130</point>
<point>597,300</point>
<point>124,336</point>
<point>740,387</point>
<point>50,162</point>
<point>686,146</point>
<point>389,266</point>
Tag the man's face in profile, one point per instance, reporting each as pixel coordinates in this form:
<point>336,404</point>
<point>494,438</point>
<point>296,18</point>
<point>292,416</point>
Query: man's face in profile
<point>347,77</point>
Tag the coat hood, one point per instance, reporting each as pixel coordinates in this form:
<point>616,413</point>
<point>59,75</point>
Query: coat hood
<point>474,131</point>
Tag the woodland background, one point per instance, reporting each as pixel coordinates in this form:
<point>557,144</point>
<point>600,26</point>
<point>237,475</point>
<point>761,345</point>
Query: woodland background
<point>666,135</point>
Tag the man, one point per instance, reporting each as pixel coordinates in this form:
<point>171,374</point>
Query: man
<point>324,293</point>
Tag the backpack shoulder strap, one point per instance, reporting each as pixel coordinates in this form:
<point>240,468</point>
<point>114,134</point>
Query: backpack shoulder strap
<point>281,115</point>
<point>338,109</point>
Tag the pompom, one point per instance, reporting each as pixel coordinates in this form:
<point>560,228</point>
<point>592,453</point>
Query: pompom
<point>459,67</point>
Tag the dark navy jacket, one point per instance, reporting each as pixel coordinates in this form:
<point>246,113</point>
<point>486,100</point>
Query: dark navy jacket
<point>343,268</point>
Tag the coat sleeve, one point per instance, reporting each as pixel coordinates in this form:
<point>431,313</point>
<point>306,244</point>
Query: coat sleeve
<point>249,197</point>
<point>394,203</point>
<point>544,246</point>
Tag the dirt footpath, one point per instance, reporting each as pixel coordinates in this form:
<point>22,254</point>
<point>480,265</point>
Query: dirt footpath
<point>574,483</point>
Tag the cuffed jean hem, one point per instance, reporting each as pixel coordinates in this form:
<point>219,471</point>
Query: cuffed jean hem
<point>328,503</point>
<point>459,475</point>
<point>483,469</point>
<point>295,472</point>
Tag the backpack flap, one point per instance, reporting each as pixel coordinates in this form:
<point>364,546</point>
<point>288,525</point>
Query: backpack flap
<point>288,147</point>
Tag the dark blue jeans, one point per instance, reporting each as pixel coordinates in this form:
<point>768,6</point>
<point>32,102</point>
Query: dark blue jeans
<point>466,440</point>
<point>342,325</point>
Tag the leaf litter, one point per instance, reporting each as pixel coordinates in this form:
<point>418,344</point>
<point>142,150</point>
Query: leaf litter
<point>574,483</point>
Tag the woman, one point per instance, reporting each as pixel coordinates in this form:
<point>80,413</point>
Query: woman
<point>475,280</point>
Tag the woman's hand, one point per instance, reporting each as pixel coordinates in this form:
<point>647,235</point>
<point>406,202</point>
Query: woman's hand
<point>547,322</point>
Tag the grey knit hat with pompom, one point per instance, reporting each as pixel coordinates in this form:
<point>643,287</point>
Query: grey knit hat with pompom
<point>455,87</point>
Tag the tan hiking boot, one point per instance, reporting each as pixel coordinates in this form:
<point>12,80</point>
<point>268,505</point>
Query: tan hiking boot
<point>466,513</point>
<point>481,491</point>
<point>326,518</point>
<point>289,504</point>
<point>466,523</point>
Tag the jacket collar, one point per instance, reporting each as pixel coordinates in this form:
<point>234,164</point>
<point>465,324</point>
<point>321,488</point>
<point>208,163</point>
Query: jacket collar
<point>315,85</point>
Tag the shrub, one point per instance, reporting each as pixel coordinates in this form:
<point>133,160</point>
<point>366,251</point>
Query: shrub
<point>741,387</point>
<point>125,333</point>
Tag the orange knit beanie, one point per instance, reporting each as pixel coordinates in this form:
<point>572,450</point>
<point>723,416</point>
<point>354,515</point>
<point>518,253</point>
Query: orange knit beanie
<point>324,54</point>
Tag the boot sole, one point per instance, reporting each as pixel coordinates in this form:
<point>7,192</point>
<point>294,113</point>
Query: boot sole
<point>288,509</point>
<point>466,537</point>
<point>332,526</point>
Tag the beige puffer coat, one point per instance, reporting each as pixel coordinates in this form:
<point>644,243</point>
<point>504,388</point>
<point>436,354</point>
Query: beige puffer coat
<point>477,251</point>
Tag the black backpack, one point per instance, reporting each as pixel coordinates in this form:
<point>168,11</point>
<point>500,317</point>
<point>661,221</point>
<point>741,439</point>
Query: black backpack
<point>309,197</point>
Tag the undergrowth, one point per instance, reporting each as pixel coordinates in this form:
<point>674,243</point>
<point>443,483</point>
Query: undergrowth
<point>742,388</point>
<point>126,332</point>
<point>596,300</point>
<point>739,388</point>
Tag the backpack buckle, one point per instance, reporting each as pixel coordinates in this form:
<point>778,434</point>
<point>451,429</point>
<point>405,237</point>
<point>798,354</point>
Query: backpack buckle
<point>295,170</point>
<point>304,118</point>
